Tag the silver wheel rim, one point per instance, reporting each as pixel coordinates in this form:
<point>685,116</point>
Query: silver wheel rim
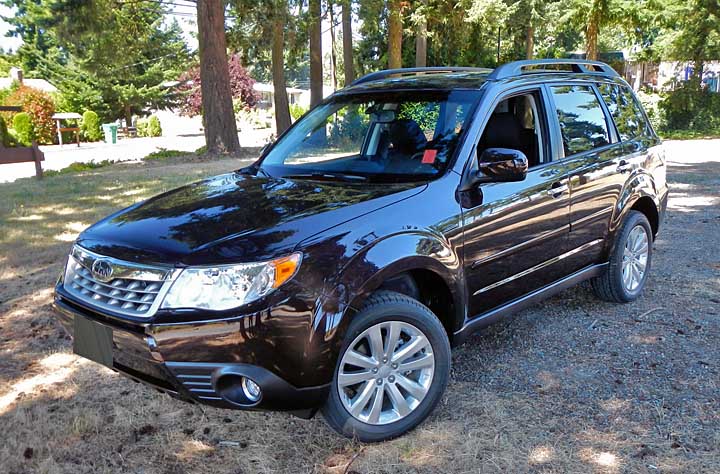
<point>386,372</point>
<point>635,258</point>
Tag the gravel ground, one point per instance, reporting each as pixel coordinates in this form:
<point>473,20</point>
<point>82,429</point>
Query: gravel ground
<point>572,385</point>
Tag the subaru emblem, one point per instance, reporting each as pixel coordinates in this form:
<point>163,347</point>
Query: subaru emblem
<point>102,270</point>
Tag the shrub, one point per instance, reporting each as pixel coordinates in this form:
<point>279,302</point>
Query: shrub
<point>241,86</point>
<point>141,126</point>
<point>154,128</point>
<point>40,107</point>
<point>691,108</point>
<point>23,128</point>
<point>297,111</point>
<point>6,139</point>
<point>90,126</point>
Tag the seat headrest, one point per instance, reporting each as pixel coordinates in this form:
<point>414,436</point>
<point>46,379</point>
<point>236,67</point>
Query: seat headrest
<point>502,131</point>
<point>407,136</point>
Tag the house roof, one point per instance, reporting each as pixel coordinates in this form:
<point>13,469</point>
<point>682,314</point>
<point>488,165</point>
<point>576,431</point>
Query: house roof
<point>41,84</point>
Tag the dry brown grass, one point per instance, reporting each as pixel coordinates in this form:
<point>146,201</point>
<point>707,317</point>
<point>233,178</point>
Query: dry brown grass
<point>570,386</point>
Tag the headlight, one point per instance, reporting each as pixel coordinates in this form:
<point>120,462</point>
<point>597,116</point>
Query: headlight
<point>229,286</point>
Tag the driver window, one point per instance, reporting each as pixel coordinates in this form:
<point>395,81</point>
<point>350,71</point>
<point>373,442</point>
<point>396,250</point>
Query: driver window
<point>516,123</point>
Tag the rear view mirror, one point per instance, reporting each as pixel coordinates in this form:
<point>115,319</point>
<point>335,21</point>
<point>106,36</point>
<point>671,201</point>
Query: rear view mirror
<point>500,165</point>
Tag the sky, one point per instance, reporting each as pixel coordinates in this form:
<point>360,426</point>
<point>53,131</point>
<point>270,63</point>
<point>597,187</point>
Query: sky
<point>7,43</point>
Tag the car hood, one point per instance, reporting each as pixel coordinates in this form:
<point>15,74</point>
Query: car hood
<point>234,218</point>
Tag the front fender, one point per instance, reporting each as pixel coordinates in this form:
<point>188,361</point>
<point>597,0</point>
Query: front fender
<point>366,271</point>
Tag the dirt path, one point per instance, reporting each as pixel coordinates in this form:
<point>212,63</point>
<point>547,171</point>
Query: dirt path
<point>573,385</point>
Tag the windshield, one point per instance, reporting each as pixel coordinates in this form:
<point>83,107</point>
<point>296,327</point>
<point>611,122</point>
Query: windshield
<point>398,136</point>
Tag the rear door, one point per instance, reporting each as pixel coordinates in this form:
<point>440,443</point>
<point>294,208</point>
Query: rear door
<point>593,156</point>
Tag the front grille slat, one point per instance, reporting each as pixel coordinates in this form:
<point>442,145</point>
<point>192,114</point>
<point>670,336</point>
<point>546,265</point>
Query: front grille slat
<point>118,294</point>
<point>126,294</point>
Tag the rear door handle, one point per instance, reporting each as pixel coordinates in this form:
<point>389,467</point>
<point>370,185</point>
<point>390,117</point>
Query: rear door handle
<point>624,167</point>
<point>558,189</point>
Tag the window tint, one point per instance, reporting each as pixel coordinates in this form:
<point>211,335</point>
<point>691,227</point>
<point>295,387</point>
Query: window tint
<point>625,110</point>
<point>582,121</point>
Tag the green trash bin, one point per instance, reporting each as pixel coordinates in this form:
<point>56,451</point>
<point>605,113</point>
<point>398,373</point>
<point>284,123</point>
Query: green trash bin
<point>110,131</point>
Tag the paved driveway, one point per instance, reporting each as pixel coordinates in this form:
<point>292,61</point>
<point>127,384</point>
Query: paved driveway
<point>58,157</point>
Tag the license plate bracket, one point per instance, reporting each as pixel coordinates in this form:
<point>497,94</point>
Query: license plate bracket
<point>93,341</point>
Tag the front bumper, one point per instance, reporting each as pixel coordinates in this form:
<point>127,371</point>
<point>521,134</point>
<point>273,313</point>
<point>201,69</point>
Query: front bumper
<point>135,354</point>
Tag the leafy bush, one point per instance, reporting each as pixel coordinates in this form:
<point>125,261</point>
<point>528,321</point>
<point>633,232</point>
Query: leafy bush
<point>23,128</point>
<point>141,126</point>
<point>241,86</point>
<point>297,111</point>
<point>154,129</point>
<point>40,107</point>
<point>6,139</point>
<point>90,127</point>
<point>691,108</point>
<point>149,127</point>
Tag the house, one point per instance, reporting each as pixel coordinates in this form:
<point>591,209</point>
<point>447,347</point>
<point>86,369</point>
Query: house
<point>267,94</point>
<point>296,96</point>
<point>16,75</point>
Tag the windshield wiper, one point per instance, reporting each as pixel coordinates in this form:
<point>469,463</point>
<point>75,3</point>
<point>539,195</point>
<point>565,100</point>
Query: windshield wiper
<point>327,176</point>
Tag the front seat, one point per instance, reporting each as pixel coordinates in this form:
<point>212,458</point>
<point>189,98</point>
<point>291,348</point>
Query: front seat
<point>504,130</point>
<point>407,138</point>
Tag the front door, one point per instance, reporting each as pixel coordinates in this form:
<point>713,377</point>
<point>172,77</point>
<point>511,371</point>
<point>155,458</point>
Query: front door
<point>515,232</point>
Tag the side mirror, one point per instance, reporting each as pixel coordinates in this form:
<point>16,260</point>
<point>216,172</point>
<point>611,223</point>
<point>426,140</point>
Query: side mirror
<point>497,165</point>
<point>500,165</point>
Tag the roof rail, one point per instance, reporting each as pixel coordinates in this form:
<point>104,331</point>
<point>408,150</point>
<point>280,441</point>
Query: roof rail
<point>375,76</point>
<point>582,66</point>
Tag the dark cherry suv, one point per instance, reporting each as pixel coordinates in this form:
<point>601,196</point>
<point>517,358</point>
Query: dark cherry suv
<point>400,215</point>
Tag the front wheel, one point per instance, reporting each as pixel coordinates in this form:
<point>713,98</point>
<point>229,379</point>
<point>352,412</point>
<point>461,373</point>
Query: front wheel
<point>629,264</point>
<point>392,370</point>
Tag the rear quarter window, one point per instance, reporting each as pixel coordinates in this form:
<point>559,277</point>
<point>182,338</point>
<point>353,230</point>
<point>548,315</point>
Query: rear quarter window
<point>625,111</point>
<point>582,120</point>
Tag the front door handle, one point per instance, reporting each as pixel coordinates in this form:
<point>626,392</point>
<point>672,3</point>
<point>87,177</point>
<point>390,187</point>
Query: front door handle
<point>558,189</point>
<point>624,167</point>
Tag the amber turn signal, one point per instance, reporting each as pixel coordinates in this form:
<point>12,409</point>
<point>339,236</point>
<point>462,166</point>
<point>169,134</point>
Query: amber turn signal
<point>285,268</point>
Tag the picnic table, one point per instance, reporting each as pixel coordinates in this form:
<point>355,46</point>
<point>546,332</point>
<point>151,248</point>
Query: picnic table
<point>59,117</point>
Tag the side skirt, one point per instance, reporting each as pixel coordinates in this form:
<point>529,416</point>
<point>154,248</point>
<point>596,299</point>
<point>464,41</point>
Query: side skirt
<point>483,320</point>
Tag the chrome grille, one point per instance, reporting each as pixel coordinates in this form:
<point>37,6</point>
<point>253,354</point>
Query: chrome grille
<point>132,289</point>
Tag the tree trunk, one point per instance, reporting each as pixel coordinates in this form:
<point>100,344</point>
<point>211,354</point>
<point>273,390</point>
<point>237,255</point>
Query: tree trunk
<point>592,31</point>
<point>128,115</point>
<point>347,43</point>
<point>282,108</point>
<point>394,35</point>
<point>333,57</point>
<point>421,42</point>
<point>530,42</point>
<point>218,116</point>
<point>316,73</point>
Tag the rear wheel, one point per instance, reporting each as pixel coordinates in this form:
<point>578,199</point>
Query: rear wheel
<point>629,263</point>
<point>392,371</point>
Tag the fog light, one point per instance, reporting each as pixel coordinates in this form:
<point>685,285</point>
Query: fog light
<point>251,389</point>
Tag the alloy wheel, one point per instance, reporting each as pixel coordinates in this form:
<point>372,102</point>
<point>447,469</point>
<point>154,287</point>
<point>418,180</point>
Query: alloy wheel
<point>635,258</point>
<point>386,372</point>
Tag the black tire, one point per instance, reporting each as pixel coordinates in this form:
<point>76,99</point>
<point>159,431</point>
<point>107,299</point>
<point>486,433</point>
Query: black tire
<point>609,286</point>
<point>380,307</point>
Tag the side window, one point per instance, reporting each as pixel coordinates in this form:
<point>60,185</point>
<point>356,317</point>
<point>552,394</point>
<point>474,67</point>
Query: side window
<point>624,109</point>
<point>518,123</point>
<point>582,120</point>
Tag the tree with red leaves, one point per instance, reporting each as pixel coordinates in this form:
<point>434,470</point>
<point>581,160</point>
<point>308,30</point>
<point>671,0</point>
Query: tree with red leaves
<point>241,86</point>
